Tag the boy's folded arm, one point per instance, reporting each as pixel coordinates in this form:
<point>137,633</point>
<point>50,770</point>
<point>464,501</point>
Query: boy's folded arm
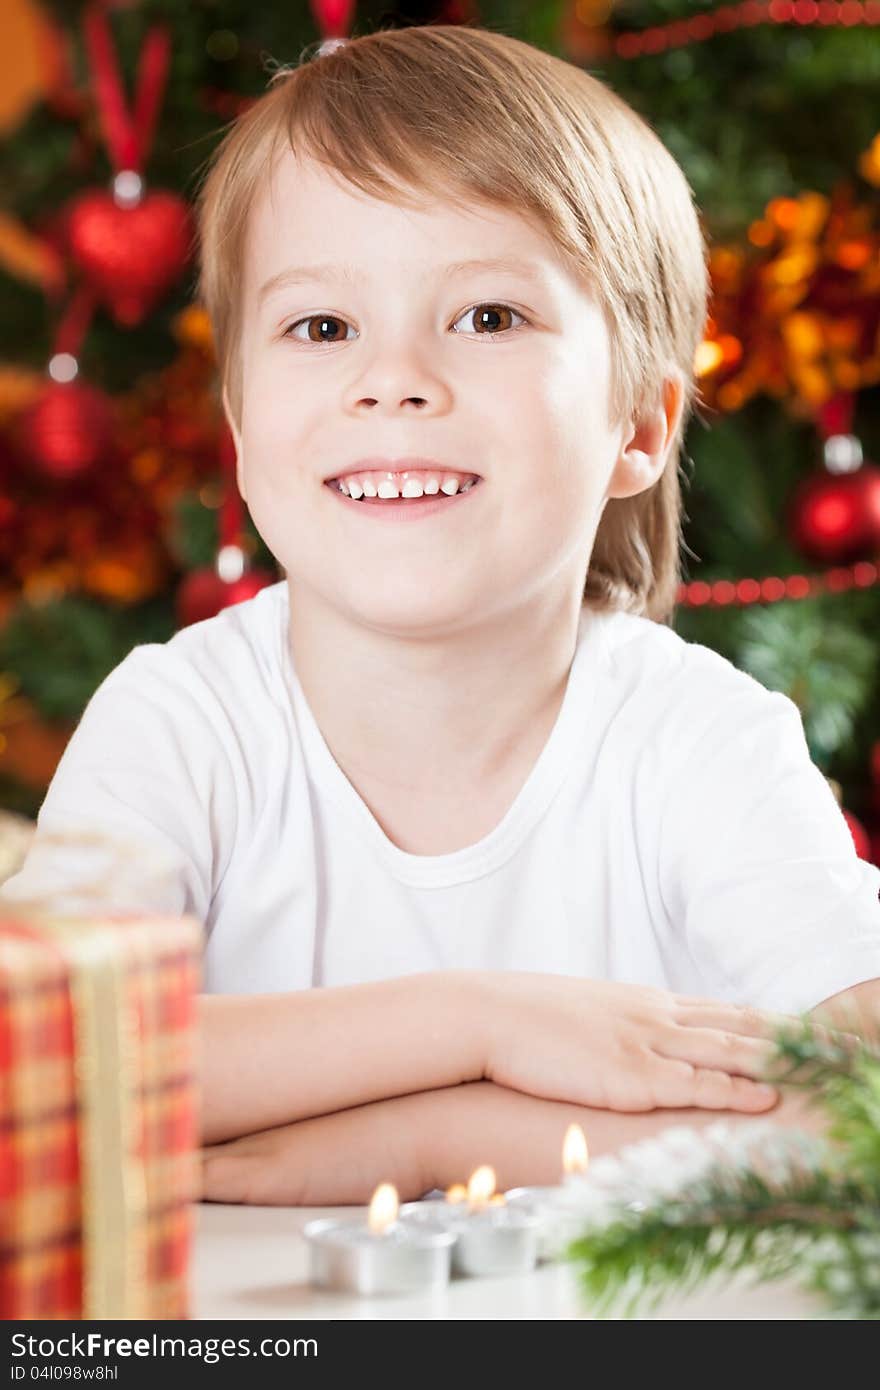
<point>433,1139</point>
<point>268,1059</point>
<point>352,1045</point>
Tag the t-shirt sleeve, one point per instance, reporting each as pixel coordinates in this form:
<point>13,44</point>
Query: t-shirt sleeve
<point>131,817</point>
<point>758,869</point>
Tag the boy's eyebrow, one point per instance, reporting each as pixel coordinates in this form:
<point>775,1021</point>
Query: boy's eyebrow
<point>324,270</point>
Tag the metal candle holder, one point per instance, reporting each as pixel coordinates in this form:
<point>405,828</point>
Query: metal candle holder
<point>406,1258</point>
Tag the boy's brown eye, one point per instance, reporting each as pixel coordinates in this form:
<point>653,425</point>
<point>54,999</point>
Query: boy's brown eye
<point>488,314</point>
<point>322,321</point>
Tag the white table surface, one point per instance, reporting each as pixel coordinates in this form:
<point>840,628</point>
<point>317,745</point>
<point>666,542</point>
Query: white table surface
<point>253,1262</point>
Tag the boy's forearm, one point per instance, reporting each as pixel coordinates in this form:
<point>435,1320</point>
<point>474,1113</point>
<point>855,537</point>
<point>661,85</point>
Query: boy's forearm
<point>266,1060</point>
<point>521,1136</point>
<point>432,1139</point>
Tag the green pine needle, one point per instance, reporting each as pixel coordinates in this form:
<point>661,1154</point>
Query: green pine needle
<point>819,1224</point>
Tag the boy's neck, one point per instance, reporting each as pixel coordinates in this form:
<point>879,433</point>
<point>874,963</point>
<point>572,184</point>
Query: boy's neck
<point>437,736</point>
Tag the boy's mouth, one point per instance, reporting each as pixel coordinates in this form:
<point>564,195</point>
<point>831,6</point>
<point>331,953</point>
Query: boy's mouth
<point>404,492</point>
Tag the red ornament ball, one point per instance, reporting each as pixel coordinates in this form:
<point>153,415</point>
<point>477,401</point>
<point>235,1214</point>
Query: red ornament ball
<point>835,517</point>
<point>334,17</point>
<point>130,255</point>
<point>68,429</point>
<point>203,594</point>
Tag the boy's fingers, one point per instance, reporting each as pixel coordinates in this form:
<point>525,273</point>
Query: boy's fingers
<point>719,1050</point>
<point>248,1179</point>
<point>758,1023</point>
<point>679,1085</point>
<point>730,1018</point>
<point>225,1177</point>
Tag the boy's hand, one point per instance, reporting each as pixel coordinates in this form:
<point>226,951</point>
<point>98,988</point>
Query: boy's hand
<point>626,1047</point>
<point>255,1170</point>
<point>326,1160</point>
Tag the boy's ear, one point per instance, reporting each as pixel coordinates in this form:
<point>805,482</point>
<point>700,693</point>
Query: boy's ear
<point>643,456</point>
<point>239,471</point>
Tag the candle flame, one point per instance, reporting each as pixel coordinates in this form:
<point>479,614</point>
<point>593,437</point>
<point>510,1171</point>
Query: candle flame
<point>498,1199</point>
<point>456,1193</point>
<point>481,1185</point>
<point>384,1206</point>
<point>575,1154</point>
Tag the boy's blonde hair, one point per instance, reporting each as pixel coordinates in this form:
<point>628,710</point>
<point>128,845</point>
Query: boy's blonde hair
<point>466,113</point>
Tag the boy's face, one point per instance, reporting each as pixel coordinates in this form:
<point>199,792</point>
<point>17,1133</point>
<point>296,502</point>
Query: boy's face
<point>396,365</point>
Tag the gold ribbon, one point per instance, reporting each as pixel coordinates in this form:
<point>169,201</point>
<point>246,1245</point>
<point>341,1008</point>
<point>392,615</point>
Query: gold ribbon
<point>114,1198</point>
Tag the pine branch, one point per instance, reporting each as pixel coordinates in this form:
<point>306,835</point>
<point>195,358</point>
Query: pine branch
<point>687,1207</point>
<point>725,1227</point>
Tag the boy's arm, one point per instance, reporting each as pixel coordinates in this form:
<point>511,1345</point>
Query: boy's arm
<point>433,1139</point>
<point>269,1059</point>
<point>856,1009</point>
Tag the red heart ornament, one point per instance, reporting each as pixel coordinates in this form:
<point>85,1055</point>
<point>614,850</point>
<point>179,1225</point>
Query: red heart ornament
<point>130,256</point>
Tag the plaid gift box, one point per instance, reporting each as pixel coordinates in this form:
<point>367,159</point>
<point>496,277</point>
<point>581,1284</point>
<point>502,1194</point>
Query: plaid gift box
<point>98,1133</point>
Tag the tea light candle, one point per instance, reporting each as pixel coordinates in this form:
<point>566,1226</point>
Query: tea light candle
<point>489,1237</point>
<point>383,1255</point>
<point>549,1202</point>
<point>493,1238</point>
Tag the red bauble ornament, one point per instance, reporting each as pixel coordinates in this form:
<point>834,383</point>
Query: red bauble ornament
<point>333,16</point>
<point>835,518</point>
<point>861,838</point>
<point>67,430</point>
<point>203,594</point>
<point>130,255</point>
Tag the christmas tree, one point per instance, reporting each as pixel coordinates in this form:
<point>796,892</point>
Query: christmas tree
<point>119,517</point>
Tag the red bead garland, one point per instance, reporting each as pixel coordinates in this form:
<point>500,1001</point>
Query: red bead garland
<point>680,32</point>
<point>742,592</point>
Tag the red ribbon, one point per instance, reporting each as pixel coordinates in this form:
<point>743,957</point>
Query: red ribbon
<point>231,521</point>
<point>129,135</point>
<point>75,322</point>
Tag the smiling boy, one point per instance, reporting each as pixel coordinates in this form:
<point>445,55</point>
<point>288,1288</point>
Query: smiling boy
<point>456,770</point>
<point>434,637</point>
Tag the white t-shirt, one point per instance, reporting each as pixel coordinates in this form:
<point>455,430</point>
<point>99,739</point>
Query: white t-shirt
<point>673,830</point>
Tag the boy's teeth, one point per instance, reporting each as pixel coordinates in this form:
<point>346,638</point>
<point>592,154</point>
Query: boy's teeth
<point>412,487</point>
